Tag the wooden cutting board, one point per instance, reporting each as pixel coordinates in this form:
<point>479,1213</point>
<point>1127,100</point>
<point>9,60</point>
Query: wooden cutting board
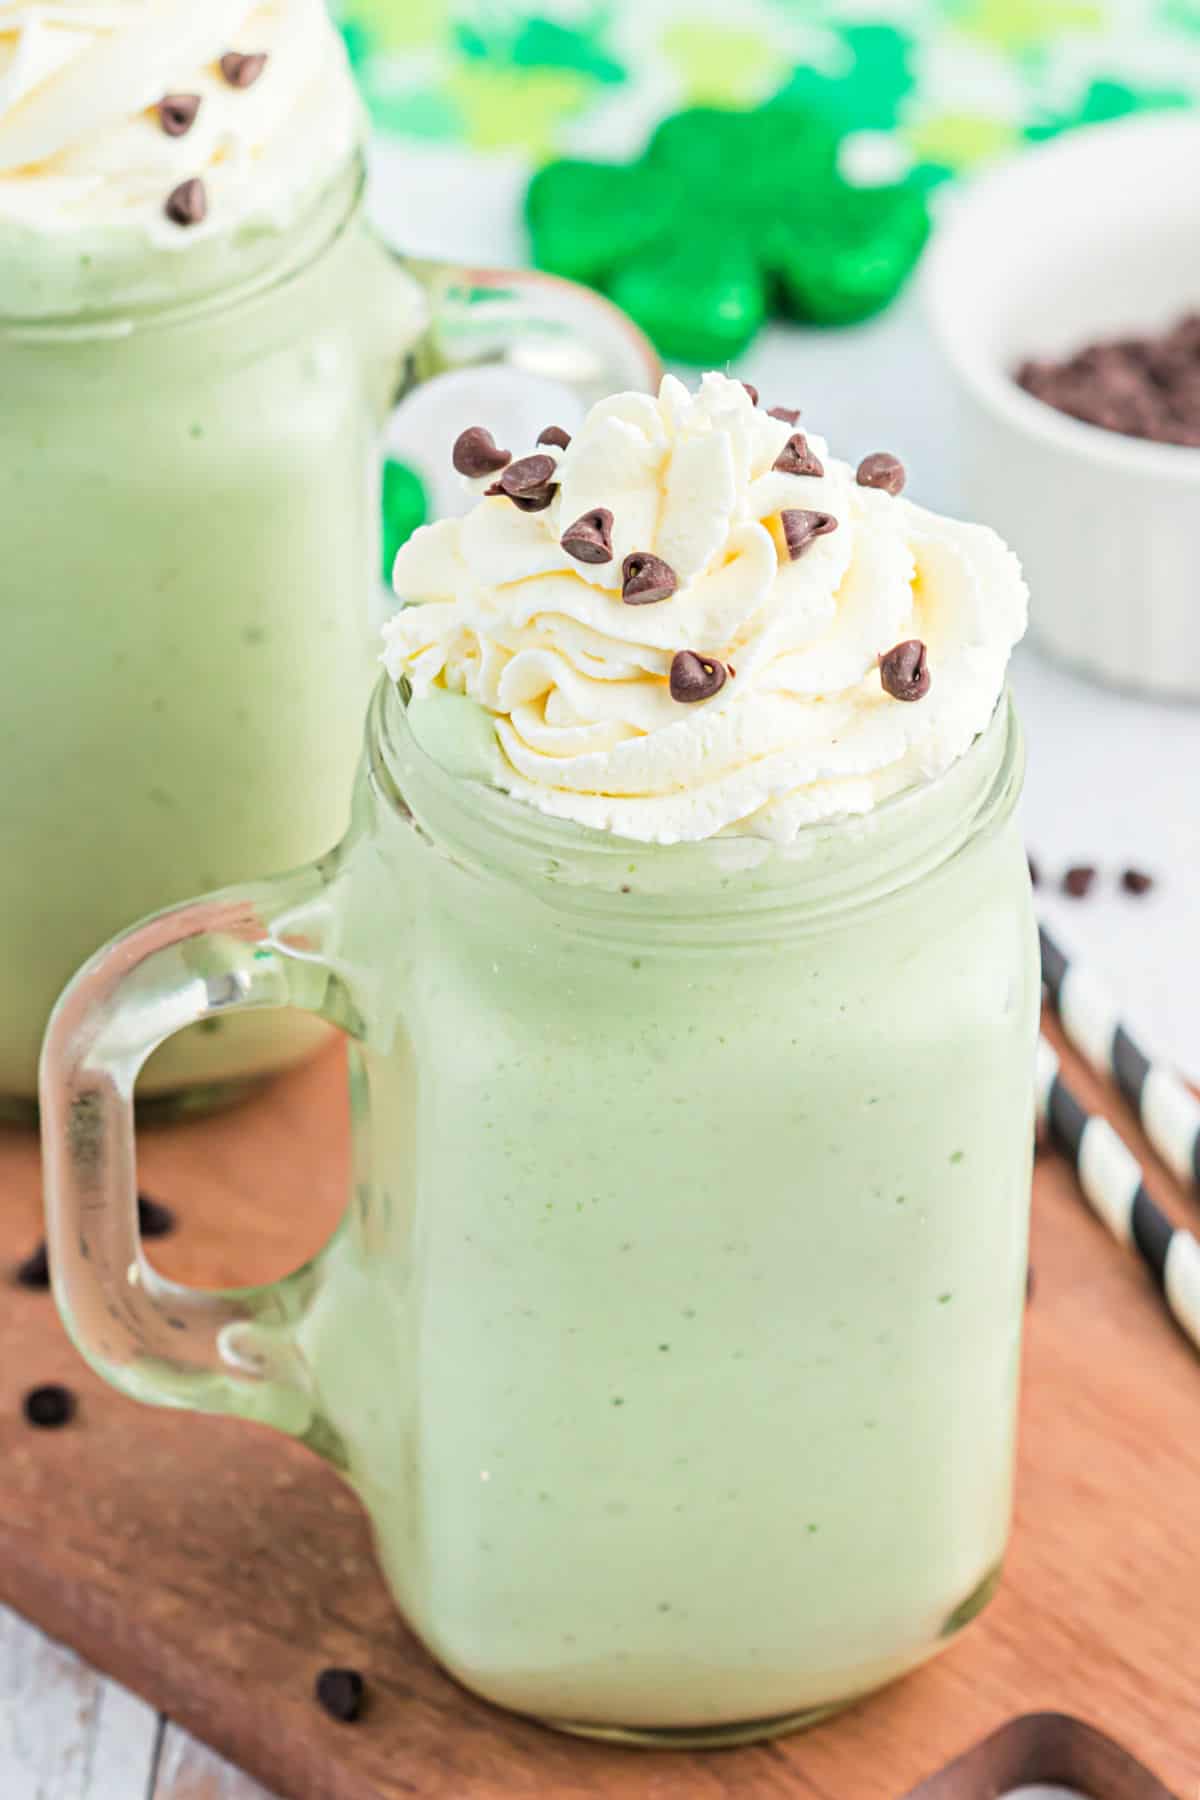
<point>215,1567</point>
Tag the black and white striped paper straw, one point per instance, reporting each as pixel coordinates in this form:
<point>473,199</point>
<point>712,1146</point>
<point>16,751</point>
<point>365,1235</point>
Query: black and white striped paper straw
<point>1112,1182</point>
<point>1168,1110</point>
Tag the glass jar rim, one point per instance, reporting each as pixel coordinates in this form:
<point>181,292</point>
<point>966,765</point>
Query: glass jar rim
<point>288,254</point>
<point>850,861</point>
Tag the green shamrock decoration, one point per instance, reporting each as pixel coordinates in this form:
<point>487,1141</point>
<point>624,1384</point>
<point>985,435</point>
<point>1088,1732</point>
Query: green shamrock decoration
<point>533,42</point>
<point>1105,100</point>
<point>405,505</point>
<point>867,93</point>
<point>725,218</point>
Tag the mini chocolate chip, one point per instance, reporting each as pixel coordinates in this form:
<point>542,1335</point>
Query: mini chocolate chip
<point>646,579</point>
<point>802,528</point>
<point>1035,874</point>
<point>695,677</point>
<point>788,414</point>
<point>883,470</point>
<point>188,203</point>
<point>341,1692</point>
<point>752,391</point>
<point>242,71</point>
<point>904,671</point>
<point>1079,881</point>
<point>475,453</point>
<point>537,501</point>
<point>554,434</point>
<point>528,483</point>
<point>34,1272</point>
<point>177,113</point>
<point>154,1219</point>
<point>1147,387</point>
<point>797,459</point>
<point>1136,881</point>
<point>530,475</point>
<point>50,1406</point>
<point>1186,333</point>
<point>541,497</point>
<point>589,539</point>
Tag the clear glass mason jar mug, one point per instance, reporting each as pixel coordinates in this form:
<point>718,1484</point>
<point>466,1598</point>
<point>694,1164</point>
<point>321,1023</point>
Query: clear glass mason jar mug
<point>190,518</point>
<point>671,1337</point>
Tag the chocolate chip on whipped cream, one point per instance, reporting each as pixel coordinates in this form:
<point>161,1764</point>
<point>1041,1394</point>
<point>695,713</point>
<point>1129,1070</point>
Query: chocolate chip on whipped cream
<point>568,663</point>
<point>242,71</point>
<point>802,528</point>
<point>646,579</point>
<point>787,415</point>
<point>589,539</point>
<point>177,113</point>
<point>882,470</point>
<point>476,453</point>
<point>904,671</point>
<point>554,434</point>
<point>752,391</point>
<point>529,483</point>
<point>188,203</point>
<point>91,90</point>
<point>695,677</point>
<point>796,458</point>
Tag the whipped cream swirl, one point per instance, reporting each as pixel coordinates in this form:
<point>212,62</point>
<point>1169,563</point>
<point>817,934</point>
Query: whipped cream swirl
<point>578,681</point>
<point>83,146</point>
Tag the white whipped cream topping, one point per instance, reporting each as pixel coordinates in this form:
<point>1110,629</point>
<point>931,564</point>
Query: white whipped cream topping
<point>577,681</point>
<point>82,147</point>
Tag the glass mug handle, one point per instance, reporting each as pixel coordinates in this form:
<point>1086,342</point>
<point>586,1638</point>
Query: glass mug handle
<point>539,324</point>
<point>209,1351</point>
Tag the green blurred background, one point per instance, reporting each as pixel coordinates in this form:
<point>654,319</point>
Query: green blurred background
<point>952,82</point>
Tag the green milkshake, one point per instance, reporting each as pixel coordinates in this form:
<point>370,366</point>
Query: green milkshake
<point>674,1350</point>
<point>190,322</point>
<point>684,936</point>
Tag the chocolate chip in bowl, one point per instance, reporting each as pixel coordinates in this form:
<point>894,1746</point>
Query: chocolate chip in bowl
<point>1075,265</point>
<point>1144,386</point>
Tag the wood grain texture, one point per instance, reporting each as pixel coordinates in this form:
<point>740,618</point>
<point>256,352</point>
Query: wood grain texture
<point>215,1568</point>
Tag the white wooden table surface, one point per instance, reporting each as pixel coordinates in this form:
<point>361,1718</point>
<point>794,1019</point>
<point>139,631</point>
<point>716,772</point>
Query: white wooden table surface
<point>1112,781</point>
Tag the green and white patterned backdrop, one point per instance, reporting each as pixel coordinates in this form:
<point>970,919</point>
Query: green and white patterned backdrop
<point>951,82</point>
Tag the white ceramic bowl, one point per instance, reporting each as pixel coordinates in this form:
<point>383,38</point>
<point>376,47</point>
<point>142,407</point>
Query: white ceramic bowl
<point>1095,234</point>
